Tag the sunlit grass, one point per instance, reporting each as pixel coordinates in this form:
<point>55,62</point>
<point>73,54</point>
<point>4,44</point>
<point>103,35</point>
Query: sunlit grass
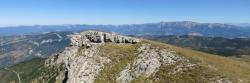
<point>231,68</point>
<point>120,55</point>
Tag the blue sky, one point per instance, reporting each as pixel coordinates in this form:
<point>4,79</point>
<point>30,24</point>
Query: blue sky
<point>53,12</point>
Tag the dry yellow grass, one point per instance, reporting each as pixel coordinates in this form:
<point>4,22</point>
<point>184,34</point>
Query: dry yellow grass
<point>121,55</point>
<point>231,68</point>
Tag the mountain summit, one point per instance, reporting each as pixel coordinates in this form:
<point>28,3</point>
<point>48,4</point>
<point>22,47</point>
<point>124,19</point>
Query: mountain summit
<point>101,57</point>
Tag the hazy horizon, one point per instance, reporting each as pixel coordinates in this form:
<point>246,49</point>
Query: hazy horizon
<point>116,24</point>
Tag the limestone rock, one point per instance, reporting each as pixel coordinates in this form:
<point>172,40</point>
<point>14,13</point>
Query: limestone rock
<point>82,59</point>
<point>148,62</point>
<point>88,37</point>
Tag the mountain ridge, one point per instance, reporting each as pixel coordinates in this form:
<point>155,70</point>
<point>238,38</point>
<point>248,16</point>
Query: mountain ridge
<point>159,28</point>
<point>90,60</point>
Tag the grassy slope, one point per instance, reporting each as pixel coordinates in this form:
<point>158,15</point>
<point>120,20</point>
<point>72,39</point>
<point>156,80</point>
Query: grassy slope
<point>245,58</point>
<point>225,66</point>
<point>7,76</point>
<point>27,70</point>
<point>210,65</point>
<point>120,56</point>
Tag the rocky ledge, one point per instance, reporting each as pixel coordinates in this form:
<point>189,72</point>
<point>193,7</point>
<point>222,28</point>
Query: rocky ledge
<point>88,37</point>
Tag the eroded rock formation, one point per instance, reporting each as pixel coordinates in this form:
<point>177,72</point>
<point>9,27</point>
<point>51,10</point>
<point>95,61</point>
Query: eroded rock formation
<point>89,37</point>
<point>82,59</point>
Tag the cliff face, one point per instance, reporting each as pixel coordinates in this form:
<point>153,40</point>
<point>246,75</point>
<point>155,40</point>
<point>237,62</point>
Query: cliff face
<point>107,57</point>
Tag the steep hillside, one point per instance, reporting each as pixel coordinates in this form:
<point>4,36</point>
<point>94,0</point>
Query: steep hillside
<point>15,49</point>
<point>99,57</point>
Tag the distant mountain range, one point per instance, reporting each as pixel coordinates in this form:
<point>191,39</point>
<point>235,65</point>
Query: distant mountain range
<point>161,28</point>
<point>214,45</point>
<point>242,24</point>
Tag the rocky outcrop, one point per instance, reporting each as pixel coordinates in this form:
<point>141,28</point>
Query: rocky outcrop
<point>148,62</point>
<point>89,37</point>
<point>82,66</point>
<point>82,59</point>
